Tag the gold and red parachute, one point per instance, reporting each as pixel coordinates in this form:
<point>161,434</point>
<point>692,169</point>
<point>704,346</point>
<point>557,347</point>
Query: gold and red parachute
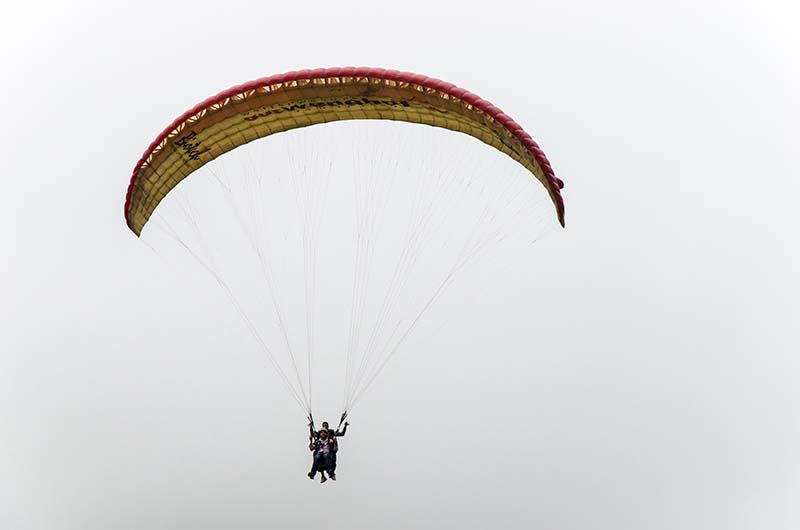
<point>411,216</point>
<point>288,101</point>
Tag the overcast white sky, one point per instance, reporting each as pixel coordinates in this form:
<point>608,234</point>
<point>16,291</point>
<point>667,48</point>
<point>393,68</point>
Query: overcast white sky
<point>644,375</point>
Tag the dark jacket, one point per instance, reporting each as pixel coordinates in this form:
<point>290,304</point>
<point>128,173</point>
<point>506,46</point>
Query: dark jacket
<point>334,434</point>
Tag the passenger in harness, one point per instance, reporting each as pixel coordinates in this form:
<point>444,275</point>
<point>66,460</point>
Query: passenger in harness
<point>325,446</point>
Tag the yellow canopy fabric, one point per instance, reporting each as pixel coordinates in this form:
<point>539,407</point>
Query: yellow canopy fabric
<point>298,99</point>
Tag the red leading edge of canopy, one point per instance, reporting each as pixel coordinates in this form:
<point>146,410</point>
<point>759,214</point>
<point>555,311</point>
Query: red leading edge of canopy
<point>554,182</point>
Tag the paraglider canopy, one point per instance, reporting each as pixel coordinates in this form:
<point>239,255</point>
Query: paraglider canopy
<point>422,205</point>
<point>288,101</point>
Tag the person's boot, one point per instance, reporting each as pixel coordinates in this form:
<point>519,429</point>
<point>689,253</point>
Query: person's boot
<point>322,478</point>
<point>311,475</point>
<point>332,475</point>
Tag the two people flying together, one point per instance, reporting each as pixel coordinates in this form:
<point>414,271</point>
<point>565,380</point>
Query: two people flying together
<point>324,445</point>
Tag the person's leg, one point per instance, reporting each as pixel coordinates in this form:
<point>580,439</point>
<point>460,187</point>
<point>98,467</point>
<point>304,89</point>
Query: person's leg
<point>332,468</point>
<point>313,472</point>
<point>315,466</point>
<point>321,464</point>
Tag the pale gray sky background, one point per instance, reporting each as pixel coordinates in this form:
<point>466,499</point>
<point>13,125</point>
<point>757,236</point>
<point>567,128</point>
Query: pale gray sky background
<point>644,375</point>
